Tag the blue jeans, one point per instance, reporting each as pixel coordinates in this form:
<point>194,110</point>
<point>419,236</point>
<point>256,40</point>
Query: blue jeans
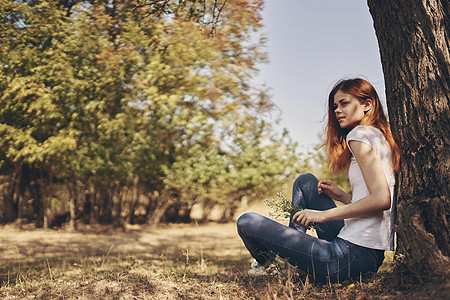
<point>325,257</point>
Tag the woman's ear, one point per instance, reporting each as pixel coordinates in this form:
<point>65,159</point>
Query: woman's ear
<point>367,104</point>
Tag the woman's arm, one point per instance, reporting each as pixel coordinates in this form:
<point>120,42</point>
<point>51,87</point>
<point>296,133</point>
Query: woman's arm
<point>379,197</point>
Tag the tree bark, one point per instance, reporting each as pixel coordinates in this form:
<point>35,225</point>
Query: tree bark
<point>73,188</point>
<point>163,201</point>
<point>414,48</point>
<point>10,204</point>
<point>133,200</point>
<point>47,199</point>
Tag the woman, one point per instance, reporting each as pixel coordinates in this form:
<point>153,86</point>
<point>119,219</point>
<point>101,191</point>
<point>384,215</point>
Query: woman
<point>354,235</point>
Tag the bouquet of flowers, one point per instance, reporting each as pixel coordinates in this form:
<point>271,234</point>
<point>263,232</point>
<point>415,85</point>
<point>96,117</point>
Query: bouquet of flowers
<point>283,208</point>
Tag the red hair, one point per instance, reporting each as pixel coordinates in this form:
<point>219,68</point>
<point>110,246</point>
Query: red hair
<point>338,153</point>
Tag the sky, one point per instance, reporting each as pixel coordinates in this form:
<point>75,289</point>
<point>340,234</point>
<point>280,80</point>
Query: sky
<point>311,45</point>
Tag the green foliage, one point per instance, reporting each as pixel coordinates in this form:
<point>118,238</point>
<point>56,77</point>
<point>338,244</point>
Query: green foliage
<point>281,206</point>
<point>149,96</point>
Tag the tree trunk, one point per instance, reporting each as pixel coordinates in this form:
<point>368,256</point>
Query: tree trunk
<point>47,199</point>
<point>413,41</point>
<point>10,211</point>
<point>207,207</point>
<point>18,196</point>
<point>72,203</point>
<point>35,191</point>
<point>134,200</point>
<point>163,201</point>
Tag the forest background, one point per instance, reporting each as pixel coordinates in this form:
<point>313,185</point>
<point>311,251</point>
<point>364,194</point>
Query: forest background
<point>124,112</point>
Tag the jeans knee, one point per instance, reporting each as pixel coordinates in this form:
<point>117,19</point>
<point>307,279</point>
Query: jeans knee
<point>247,220</point>
<point>305,179</point>
<point>304,182</point>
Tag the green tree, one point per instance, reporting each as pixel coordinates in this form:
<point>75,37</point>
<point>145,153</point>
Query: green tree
<point>128,105</point>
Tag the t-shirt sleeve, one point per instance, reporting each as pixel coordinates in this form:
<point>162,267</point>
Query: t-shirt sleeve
<point>363,134</point>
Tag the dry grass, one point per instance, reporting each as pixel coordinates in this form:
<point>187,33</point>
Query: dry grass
<point>175,262</point>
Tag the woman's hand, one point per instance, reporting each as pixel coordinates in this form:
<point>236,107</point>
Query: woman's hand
<point>307,216</point>
<point>330,189</point>
<point>378,199</point>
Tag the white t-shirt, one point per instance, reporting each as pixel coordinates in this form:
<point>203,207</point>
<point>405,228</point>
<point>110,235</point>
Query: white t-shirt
<point>373,231</point>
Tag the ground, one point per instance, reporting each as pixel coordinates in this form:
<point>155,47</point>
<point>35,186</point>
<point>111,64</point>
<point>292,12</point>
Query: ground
<point>188,261</point>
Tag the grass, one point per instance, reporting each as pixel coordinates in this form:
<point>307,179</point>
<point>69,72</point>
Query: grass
<point>120,276</point>
<point>177,262</point>
<point>184,276</point>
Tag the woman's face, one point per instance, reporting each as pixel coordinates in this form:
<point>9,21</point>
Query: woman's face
<point>349,111</point>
